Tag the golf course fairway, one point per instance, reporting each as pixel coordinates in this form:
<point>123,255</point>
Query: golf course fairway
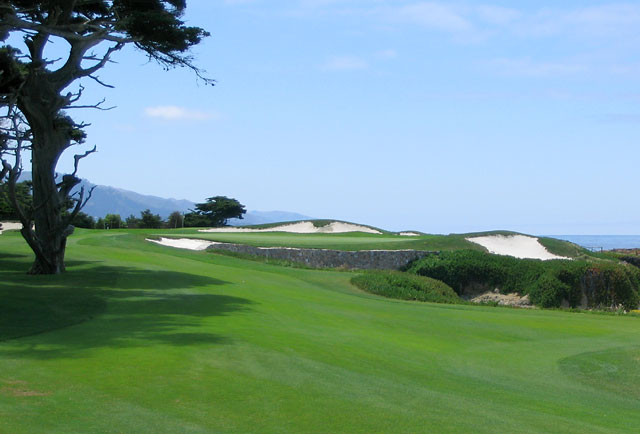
<point>137,337</point>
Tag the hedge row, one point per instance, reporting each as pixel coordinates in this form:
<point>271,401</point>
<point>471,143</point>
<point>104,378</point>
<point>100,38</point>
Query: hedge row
<point>405,286</point>
<point>548,283</point>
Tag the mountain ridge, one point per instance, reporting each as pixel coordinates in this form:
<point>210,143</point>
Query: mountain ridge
<point>114,200</point>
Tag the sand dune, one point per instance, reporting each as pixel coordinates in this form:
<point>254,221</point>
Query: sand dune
<point>303,228</point>
<point>519,246</point>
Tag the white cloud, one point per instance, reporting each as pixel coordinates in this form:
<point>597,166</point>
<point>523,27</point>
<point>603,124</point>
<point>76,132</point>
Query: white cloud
<point>345,63</point>
<point>172,112</point>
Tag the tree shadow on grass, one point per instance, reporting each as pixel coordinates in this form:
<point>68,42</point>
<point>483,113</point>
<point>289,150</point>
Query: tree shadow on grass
<point>127,307</point>
<point>20,264</point>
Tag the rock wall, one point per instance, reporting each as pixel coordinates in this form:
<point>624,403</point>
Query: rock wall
<point>323,258</point>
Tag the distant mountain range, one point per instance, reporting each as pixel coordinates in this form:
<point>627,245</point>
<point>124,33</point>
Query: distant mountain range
<point>110,200</point>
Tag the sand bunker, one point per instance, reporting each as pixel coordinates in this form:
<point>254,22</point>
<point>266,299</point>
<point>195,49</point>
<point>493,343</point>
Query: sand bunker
<point>409,234</point>
<point>183,243</point>
<point>519,246</point>
<point>303,228</point>
<point>8,226</point>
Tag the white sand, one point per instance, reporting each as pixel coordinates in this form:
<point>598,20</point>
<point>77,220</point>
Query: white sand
<point>303,228</point>
<point>409,234</point>
<point>8,226</point>
<point>183,243</point>
<point>519,246</point>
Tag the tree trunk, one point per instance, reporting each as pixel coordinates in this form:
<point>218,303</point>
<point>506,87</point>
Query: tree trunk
<point>50,234</point>
<point>50,139</point>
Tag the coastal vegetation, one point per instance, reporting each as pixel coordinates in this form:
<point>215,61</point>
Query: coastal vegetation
<point>590,283</point>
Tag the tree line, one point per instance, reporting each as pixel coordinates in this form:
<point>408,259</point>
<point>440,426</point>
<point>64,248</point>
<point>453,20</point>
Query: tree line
<point>214,212</point>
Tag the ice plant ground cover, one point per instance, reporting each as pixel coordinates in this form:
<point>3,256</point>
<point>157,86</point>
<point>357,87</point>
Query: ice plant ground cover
<point>137,336</point>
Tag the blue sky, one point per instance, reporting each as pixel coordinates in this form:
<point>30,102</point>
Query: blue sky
<point>436,116</point>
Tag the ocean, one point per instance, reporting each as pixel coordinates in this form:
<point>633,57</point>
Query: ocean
<point>602,242</point>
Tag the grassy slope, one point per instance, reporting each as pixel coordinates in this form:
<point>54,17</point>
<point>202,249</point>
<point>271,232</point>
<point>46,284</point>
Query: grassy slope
<point>185,341</point>
<point>363,241</point>
<point>346,241</point>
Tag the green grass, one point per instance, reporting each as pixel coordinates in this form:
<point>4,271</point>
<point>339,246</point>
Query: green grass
<point>356,240</point>
<point>362,241</point>
<point>564,248</point>
<point>138,337</point>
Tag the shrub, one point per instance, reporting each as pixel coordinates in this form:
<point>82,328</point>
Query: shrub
<point>548,291</point>
<point>606,284</point>
<point>462,269</point>
<point>404,286</point>
<point>612,285</point>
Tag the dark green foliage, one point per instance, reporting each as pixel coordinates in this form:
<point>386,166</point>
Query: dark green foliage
<point>154,26</point>
<point>463,269</point>
<point>23,196</point>
<point>405,286</point>
<point>157,27</point>
<point>548,283</point>
<point>633,260</point>
<point>195,220</point>
<point>82,220</point>
<point>216,211</point>
<point>176,220</point>
<point>612,285</point>
<point>148,220</point>
<point>113,221</point>
<point>101,224</point>
<point>133,222</point>
<point>548,291</point>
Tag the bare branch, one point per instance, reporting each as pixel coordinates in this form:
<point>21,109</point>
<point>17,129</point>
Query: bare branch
<point>80,203</point>
<point>87,72</point>
<point>73,97</point>
<point>99,32</point>
<point>93,77</point>
<point>93,106</point>
<point>77,158</point>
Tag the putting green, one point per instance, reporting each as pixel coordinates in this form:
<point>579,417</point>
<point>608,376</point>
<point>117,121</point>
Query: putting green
<point>140,337</point>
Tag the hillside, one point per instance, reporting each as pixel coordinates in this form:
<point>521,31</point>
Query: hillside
<point>111,200</point>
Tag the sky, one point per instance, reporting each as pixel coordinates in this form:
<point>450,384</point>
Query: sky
<point>443,117</point>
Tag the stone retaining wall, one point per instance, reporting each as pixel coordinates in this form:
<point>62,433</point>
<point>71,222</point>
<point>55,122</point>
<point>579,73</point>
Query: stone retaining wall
<point>323,258</point>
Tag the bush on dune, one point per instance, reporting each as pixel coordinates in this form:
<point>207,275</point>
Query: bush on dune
<point>548,283</point>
